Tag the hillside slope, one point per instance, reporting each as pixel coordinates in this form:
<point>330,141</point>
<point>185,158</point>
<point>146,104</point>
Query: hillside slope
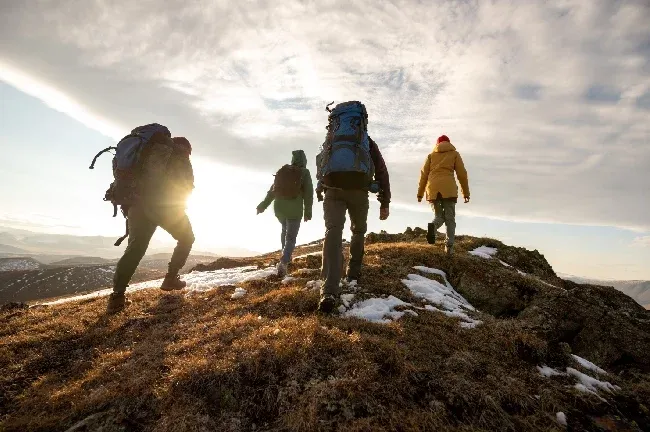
<point>251,354</point>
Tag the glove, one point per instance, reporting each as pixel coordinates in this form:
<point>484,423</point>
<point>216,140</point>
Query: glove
<point>384,212</point>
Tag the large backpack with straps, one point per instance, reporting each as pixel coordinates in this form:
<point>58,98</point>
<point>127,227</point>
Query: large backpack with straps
<point>130,152</point>
<point>347,146</point>
<point>288,182</point>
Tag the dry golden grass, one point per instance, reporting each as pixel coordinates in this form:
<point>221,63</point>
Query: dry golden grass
<point>268,362</point>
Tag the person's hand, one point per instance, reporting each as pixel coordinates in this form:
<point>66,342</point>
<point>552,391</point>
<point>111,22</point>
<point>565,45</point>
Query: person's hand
<point>259,210</point>
<point>466,200</point>
<point>384,212</point>
<point>419,199</point>
<point>307,218</point>
<point>319,196</point>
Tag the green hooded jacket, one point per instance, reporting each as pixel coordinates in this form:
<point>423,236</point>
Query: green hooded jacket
<point>293,208</point>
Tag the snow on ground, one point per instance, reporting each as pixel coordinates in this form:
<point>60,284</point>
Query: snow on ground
<point>287,280</point>
<point>585,383</point>
<point>589,384</point>
<point>196,282</point>
<point>18,264</point>
<point>588,365</point>
<point>548,372</point>
<point>449,302</point>
<point>239,293</point>
<point>347,299</point>
<point>484,252</point>
<point>309,254</point>
<point>561,418</point>
<point>377,309</point>
<point>315,284</point>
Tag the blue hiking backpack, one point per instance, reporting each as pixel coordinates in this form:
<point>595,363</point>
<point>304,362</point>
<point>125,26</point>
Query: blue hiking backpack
<point>347,146</point>
<point>129,153</point>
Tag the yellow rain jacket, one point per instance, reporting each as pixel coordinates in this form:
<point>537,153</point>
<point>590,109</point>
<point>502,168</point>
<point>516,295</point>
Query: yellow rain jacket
<point>437,174</point>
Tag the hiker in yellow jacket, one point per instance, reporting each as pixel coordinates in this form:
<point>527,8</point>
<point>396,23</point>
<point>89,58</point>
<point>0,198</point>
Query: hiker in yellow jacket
<point>438,182</point>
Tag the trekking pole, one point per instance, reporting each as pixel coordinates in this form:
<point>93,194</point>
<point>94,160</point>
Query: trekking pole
<point>107,149</point>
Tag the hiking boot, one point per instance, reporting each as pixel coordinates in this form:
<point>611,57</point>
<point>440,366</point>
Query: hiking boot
<point>116,303</point>
<point>449,249</point>
<point>282,269</point>
<point>172,282</point>
<point>326,304</point>
<point>431,233</point>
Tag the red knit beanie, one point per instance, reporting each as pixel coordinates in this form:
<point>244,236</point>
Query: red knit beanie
<point>443,138</point>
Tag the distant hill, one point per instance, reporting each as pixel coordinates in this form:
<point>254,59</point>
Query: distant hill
<point>7,249</point>
<point>639,290</point>
<point>79,261</point>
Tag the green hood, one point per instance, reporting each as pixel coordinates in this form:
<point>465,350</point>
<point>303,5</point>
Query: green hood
<point>299,159</point>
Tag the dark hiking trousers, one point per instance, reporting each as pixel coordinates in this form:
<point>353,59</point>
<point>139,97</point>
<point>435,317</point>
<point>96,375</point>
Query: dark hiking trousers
<point>290,228</point>
<point>143,222</point>
<point>337,203</point>
<point>445,213</point>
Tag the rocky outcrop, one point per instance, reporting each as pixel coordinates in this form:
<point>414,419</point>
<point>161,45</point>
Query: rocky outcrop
<point>598,322</point>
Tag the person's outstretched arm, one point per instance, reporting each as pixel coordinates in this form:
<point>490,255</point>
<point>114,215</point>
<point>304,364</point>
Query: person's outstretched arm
<point>461,173</point>
<point>270,196</point>
<point>307,194</point>
<point>424,177</point>
<point>381,174</point>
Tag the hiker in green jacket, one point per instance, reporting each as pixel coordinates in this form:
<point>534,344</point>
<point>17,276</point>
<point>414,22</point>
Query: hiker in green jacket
<point>292,191</point>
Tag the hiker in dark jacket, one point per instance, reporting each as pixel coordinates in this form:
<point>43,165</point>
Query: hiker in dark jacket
<point>165,182</point>
<point>348,192</point>
<point>289,209</point>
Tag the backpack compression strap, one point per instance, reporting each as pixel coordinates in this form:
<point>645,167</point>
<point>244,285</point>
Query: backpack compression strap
<point>126,234</point>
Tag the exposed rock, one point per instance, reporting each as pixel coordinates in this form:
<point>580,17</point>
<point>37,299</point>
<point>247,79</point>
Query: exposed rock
<point>599,323</point>
<point>221,263</point>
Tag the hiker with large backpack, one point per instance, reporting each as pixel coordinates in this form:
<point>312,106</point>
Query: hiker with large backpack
<point>349,166</point>
<point>438,182</point>
<point>153,178</point>
<point>292,190</point>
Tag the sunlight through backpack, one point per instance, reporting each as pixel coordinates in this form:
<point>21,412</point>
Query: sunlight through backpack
<point>130,151</point>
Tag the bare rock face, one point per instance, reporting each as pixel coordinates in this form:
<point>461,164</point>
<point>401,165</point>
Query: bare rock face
<point>599,323</point>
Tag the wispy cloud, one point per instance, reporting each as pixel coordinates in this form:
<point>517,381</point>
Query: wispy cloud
<point>546,101</point>
<point>642,241</point>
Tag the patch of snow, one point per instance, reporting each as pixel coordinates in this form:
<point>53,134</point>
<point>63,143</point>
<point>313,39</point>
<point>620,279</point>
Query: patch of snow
<point>377,309</point>
<point>309,254</point>
<point>342,309</point>
<point>315,284</point>
<point>485,252</point>
<point>548,372</point>
<point>347,299</point>
<point>590,384</point>
<point>239,293</point>
<point>522,273</point>
<point>196,282</point>
<point>505,264</point>
<point>287,280</point>
<point>561,418</point>
<point>588,365</point>
<point>18,264</point>
<point>449,302</point>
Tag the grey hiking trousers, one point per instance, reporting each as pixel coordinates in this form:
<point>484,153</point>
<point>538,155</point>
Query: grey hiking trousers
<point>337,202</point>
<point>445,213</point>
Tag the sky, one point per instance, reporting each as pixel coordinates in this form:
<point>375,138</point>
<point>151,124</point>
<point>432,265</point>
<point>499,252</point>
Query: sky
<point>548,103</point>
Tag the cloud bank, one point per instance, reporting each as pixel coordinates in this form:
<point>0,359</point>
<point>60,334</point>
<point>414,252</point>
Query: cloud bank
<point>549,103</point>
